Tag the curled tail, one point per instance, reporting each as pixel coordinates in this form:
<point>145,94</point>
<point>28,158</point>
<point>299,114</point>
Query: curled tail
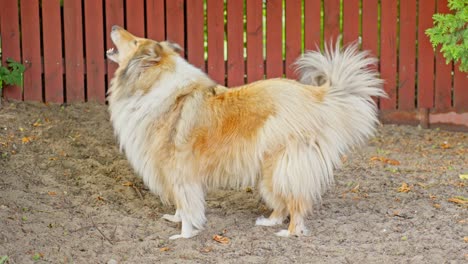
<point>350,111</point>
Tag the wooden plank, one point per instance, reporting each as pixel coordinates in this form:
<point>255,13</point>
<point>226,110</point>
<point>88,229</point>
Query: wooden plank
<point>293,35</point>
<point>255,61</point>
<point>235,43</point>
<point>274,45</point>
<point>460,90</point>
<point>155,19</point>
<point>425,55</point>
<point>52,48</point>
<point>9,20</point>
<point>135,19</point>
<point>73,33</point>
<point>195,34</point>
<point>114,16</point>
<point>95,64</point>
<point>331,20</point>
<point>370,31</point>
<point>388,52</point>
<point>312,31</point>
<point>175,22</point>
<point>407,60</point>
<point>351,21</point>
<point>443,77</point>
<point>215,28</point>
<point>31,47</point>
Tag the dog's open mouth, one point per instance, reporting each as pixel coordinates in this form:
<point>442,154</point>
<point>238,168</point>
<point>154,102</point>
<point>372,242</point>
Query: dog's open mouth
<point>112,52</point>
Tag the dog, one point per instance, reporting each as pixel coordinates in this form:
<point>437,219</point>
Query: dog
<point>183,133</point>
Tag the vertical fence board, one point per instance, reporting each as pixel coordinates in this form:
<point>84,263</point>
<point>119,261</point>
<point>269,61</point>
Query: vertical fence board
<point>443,78</point>
<point>114,16</point>
<point>175,22</point>
<point>215,28</point>
<point>10,42</point>
<point>331,20</point>
<point>255,63</point>
<point>95,66</point>
<point>460,90</point>
<point>235,43</point>
<point>73,33</point>
<point>31,46</point>
<point>350,21</point>
<point>52,48</point>
<point>425,84</point>
<point>195,33</point>
<point>293,35</point>
<point>312,31</point>
<point>135,17</point>
<point>155,19</point>
<point>370,31</point>
<point>274,46</point>
<point>388,52</point>
<point>406,82</point>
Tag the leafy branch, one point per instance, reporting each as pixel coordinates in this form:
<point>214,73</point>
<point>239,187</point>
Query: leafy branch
<point>451,32</point>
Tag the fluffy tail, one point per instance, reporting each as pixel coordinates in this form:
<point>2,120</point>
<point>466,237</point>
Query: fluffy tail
<point>350,111</point>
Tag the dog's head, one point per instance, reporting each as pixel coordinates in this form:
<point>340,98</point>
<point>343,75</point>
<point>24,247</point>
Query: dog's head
<point>139,51</point>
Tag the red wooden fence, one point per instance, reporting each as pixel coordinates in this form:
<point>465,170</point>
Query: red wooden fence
<point>63,45</point>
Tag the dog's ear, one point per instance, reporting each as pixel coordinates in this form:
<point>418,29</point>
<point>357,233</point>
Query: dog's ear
<point>151,55</point>
<point>174,46</point>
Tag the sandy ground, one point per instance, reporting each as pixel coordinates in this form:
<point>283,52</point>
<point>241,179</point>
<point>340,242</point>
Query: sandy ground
<point>68,196</point>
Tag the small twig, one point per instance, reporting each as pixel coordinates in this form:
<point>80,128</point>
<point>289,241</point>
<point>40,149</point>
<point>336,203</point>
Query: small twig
<point>94,224</point>
<point>137,191</point>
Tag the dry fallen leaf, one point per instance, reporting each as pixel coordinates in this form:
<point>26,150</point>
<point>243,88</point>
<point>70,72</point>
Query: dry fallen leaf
<point>385,160</point>
<point>26,140</point>
<point>464,176</point>
<point>404,188</point>
<point>445,145</point>
<point>206,249</point>
<point>127,184</point>
<point>221,239</point>
<point>52,193</point>
<point>458,200</point>
<point>465,239</point>
<point>437,206</point>
<point>37,123</point>
<point>164,249</point>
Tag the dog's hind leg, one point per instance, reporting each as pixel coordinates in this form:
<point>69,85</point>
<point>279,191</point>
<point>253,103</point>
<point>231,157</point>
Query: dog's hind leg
<point>274,201</point>
<point>190,203</point>
<point>297,211</point>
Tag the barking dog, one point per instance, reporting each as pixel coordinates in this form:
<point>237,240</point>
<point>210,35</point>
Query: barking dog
<point>183,133</point>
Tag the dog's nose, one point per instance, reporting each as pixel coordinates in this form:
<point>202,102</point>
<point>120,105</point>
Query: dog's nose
<point>115,27</point>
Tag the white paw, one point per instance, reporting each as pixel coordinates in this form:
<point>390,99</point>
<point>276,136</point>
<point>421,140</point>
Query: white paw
<point>187,235</point>
<point>283,233</point>
<point>173,218</point>
<point>262,221</point>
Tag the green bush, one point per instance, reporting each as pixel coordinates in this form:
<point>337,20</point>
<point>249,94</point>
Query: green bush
<point>451,32</point>
<point>12,74</point>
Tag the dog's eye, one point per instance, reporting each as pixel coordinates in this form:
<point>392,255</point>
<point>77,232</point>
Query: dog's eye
<point>135,42</point>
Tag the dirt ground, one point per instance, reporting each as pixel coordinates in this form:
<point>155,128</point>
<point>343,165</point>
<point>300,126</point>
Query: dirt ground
<point>68,196</point>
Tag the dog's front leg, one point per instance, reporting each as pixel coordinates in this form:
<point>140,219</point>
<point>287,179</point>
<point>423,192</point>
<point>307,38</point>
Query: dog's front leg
<point>190,203</point>
<point>173,218</point>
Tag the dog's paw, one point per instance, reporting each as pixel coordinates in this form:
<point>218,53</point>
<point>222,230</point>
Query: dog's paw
<point>262,221</point>
<point>301,231</point>
<point>187,235</point>
<point>173,218</point>
<point>283,233</point>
